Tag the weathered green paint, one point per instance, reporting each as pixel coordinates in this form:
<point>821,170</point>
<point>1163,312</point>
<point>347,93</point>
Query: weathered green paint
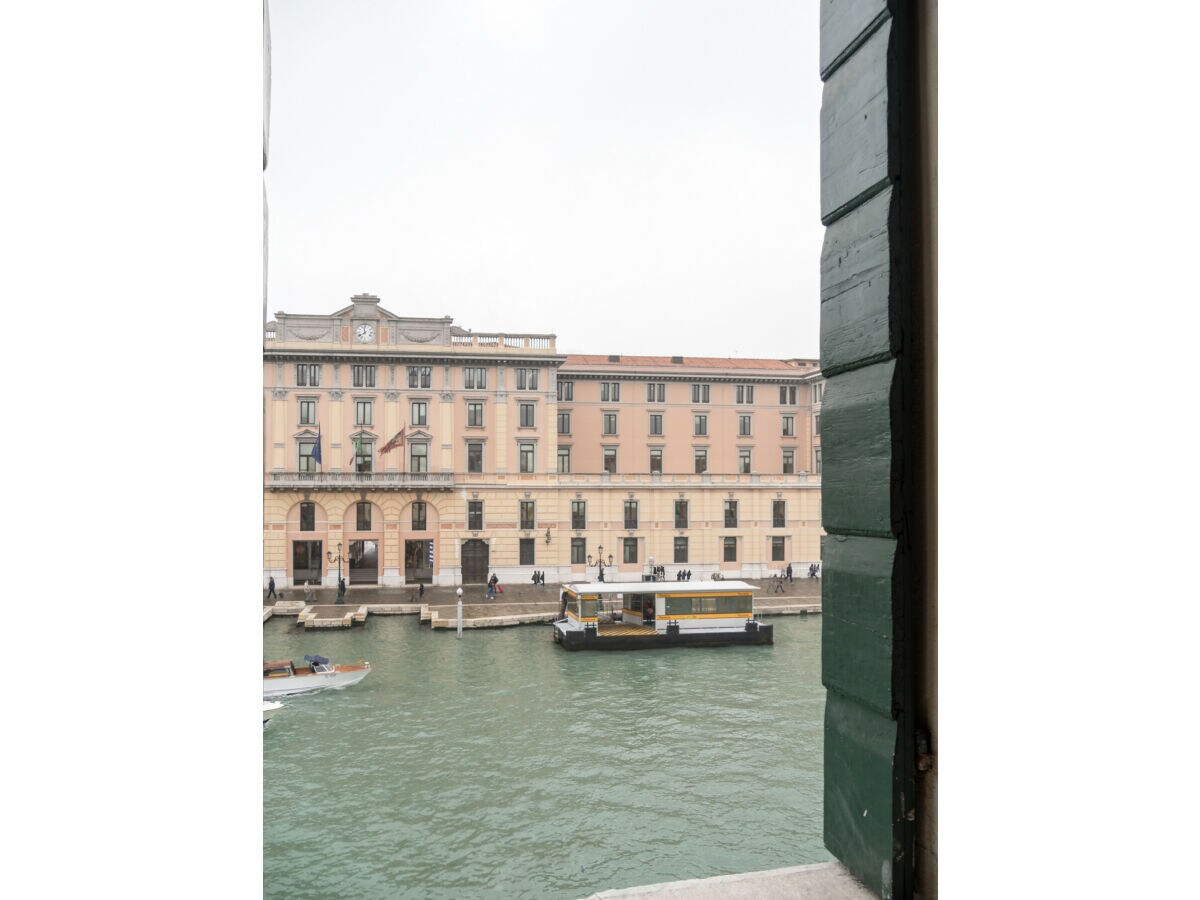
<point>856,287</point>
<point>856,613</point>
<point>845,24</point>
<point>860,750</point>
<point>869,320</point>
<point>857,440</point>
<point>855,163</point>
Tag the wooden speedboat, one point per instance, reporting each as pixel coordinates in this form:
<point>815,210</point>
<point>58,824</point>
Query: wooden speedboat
<point>283,677</point>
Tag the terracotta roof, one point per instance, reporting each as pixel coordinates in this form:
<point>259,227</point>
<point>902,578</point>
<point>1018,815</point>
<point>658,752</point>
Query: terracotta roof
<point>703,362</point>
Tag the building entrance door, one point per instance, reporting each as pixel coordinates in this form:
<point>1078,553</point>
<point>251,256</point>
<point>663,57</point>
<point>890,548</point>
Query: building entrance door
<point>474,561</point>
<point>306,562</point>
<point>364,562</point>
<point>418,562</point>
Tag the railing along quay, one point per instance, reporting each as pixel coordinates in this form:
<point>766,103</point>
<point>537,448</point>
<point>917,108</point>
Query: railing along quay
<point>350,481</point>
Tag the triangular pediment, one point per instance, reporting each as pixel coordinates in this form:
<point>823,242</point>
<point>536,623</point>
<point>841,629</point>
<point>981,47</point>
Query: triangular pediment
<point>419,435</point>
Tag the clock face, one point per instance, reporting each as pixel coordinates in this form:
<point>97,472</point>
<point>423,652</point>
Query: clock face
<point>365,332</point>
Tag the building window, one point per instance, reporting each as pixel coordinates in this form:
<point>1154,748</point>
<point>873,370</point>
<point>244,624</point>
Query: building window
<point>656,393</point>
<point>526,415</point>
<point>474,458</point>
<point>526,551</point>
<point>306,463</point>
<point>578,551</point>
<point>474,415</point>
<point>420,376</point>
<point>681,555</point>
<point>777,548</point>
<point>308,376</point>
<point>363,376</point>
<point>818,391</point>
<point>745,393</point>
<point>789,462</point>
<point>701,461</point>
<point>789,426</point>
<point>308,517</point>
<point>817,460</point>
<point>564,423</point>
<point>730,549</point>
<point>363,515</point>
<point>778,513</point>
<point>629,546</point>
<point>610,423</point>
<point>631,514</point>
<point>610,460</point>
<point>527,519</point>
<point>700,424</point>
<point>578,515</point>
<point>526,454</point>
<point>744,460</point>
<point>527,379</point>
<point>700,393</point>
<point>744,425</point>
<point>475,515</point>
<point>787,395</point>
<point>362,412</point>
<point>364,452</point>
<point>610,391</point>
<point>817,425</point>
<point>564,460</point>
<point>418,459</point>
<point>419,513</point>
<point>474,378</point>
<point>681,514</point>
<point>420,412</point>
<point>656,460</point>
<point>308,412</point>
<point>731,513</point>
<point>566,390</point>
<point>656,423</point>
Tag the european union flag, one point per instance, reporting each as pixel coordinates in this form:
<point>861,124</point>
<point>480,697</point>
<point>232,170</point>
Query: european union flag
<point>316,453</point>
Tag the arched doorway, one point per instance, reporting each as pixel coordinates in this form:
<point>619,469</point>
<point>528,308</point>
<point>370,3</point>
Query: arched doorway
<point>474,561</point>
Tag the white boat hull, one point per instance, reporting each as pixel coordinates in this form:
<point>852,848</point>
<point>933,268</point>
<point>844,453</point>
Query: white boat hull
<point>269,708</point>
<point>283,686</point>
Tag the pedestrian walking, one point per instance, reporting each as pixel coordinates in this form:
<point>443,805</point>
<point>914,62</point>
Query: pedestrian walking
<point>789,573</point>
<point>420,590</point>
<point>271,586</point>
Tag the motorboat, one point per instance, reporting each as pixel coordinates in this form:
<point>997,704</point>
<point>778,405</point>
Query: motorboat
<point>269,707</point>
<point>282,677</point>
<point>634,616</point>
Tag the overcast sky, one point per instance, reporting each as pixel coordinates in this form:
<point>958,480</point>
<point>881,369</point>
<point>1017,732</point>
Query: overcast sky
<point>634,177</point>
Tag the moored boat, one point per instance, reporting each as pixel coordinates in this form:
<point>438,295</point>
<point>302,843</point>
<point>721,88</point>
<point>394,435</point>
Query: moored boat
<point>643,615</point>
<point>283,677</point>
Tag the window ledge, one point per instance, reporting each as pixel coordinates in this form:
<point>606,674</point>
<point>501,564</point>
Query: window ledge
<point>820,881</point>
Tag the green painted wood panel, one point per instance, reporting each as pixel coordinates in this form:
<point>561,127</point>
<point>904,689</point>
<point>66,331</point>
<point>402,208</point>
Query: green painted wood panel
<point>857,638</point>
<point>856,287</point>
<point>860,812</point>
<point>854,128</point>
<point>844,25</point>
<point>856,436</point>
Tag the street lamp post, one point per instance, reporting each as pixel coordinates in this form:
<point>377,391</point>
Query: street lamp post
<point>341,594</point>
<point>600,560</point>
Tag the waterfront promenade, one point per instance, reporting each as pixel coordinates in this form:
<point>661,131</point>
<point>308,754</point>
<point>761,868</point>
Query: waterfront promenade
<point>519,604</point>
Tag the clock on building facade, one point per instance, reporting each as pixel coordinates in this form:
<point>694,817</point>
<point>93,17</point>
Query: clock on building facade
<point>365,333</point>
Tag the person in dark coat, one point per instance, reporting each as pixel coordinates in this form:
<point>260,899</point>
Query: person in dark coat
<point>271,586</point>
<point>421,590</point>
<point>789,573</point>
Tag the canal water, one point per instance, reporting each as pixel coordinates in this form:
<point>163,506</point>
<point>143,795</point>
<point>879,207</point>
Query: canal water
<point>500,765</point>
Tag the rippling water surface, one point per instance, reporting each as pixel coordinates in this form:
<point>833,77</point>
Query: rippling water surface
<point>500,765</point>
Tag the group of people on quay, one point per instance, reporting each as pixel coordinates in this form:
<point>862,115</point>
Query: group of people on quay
<point>539,577</point>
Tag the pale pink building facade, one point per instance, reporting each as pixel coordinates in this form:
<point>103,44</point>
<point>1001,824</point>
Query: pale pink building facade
<point>513,458</point>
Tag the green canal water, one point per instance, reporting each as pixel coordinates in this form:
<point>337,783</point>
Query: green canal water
<point>500,765</point>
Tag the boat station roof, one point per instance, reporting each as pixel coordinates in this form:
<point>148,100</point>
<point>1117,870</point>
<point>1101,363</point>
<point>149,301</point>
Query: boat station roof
<point>656,587</point>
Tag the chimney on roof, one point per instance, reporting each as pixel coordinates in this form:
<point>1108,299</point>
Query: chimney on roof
<point>677,359</point>
<point>614,357</point>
